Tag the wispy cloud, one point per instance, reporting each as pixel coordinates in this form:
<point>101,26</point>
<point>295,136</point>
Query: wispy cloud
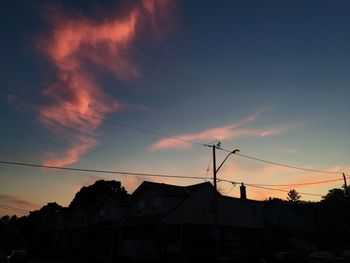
<point>75,42</point>
<point>225,132</point>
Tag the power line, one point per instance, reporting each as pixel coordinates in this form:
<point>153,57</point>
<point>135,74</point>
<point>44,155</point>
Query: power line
<point>13,209</point>
<point>99,171</point>
<point>164,135</point>
<point>157,175</point>
<point>263,187</point>
<point>280,190</point>
<point>112,122</point>
<point>280,164</point>
<point>139,174</point>
<point>301,184</point>
<point>208,168</point>
<point>286,185</point>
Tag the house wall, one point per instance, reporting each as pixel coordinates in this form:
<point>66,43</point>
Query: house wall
<point>281,215</point>
<point>78,219</point>
<point>199,208</point>
<point>110,211</point>
<point>150,202</point>
<point>240,213</point>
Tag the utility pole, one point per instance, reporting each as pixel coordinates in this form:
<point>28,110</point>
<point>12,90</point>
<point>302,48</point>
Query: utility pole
<point>214,167</point>
<point>216,231</point>
<point>345,185</point>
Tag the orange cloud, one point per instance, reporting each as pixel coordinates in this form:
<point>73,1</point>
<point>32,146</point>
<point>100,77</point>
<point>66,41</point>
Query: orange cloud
<point>229,131</point>
<point>74,43</point>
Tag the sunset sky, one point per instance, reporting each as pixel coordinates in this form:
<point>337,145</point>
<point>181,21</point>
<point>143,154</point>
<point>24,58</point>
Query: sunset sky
<point>270,78</point>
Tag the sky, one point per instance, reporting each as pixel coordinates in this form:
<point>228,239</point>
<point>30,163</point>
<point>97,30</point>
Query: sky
<point>270,78</point>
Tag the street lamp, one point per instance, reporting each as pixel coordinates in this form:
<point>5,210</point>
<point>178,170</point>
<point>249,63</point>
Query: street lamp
<point>214,162</point>
<point>216,210</point>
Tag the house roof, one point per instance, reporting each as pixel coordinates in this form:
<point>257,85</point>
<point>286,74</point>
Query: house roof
<point>170,190</point>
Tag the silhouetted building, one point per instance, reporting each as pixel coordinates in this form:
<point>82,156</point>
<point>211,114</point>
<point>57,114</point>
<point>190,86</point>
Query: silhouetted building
<point>179,221</point>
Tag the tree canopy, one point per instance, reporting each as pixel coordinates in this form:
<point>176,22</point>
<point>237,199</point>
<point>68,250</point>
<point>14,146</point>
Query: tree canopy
<point>293,196</point>
<point>334,194</point>
<point>89,195</point>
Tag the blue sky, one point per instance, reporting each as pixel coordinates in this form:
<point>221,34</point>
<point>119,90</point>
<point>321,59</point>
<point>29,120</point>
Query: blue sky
<point>201,65</point>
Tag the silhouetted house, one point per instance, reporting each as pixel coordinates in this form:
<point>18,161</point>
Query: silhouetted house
<point>103,231</point>
<point>289,226</point>
<point>240,223</point>
<point>180,221</point>
<point>142,231</point>
<point>45,229</point>
<point>76,230</point>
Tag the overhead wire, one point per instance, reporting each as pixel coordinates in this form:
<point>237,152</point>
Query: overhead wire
<point>99,171</point>
<point>280,164</point>
<point>17,208</point>
<point>165,135</point>
<point>142,174</point>
<point>301,184</point>
<point>112,122</point>
<point>14,209</point>
<point>263,187</point>
<point>208,168</point>
<point>280,190</point>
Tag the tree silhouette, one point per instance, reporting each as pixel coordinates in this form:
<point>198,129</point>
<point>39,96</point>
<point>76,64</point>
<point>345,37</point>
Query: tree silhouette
<point>334,217</point>
<point>336,194</point>
<point>88,196</point>
<point>293,196</point>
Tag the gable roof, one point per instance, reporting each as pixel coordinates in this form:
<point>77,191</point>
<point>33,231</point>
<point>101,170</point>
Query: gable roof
<point>168,189</point>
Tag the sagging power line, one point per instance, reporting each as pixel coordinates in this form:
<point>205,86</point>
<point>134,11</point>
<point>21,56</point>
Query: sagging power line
<point>281,164</point>
<point>262,186</point>
<point>112,122</point>
<point>99,171</point>
<point>14,209</point>
<point>148,131</point>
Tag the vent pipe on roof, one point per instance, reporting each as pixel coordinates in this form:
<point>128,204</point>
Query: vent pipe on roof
<point>243,192</point>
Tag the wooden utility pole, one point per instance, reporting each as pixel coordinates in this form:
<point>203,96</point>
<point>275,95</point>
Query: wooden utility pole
<point>214,167</point>
<point>216,231</point>
<point>345,185</point>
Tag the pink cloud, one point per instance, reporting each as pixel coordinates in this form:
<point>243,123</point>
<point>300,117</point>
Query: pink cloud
<point>226,132</point>
<point>73,153</point>
<point>75,42</point>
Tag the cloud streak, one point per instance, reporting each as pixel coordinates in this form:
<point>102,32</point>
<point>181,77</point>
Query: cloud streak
<point>226,132</point>
<point>73,44</point>
<point>17,202</point>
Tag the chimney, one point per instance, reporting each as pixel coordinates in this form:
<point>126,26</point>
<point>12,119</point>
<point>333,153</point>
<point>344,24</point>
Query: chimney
<point>243,192</point>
